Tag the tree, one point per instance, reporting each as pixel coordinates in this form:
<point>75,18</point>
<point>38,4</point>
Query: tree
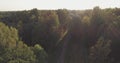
<point>12,50</point>
<point>63,15</point>
<point>96,27</point>
<point>86,20</point>
<point>41,55</point>
<point>8,36</point>
<point>20,54</point>
<point>100,51</point>
<point>34,15</point>
<point>44,31</point>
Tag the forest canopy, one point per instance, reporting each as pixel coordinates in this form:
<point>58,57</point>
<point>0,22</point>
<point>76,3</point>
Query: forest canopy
<point>60,36</point>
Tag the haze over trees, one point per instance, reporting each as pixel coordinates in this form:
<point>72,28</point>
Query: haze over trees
<point>60,36</point>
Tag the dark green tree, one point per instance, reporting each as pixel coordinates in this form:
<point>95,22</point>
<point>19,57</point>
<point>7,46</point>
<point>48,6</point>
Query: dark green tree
<point>100,51</point>
<point>41,55</point>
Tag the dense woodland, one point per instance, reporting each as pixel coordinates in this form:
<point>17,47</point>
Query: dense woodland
<point>60,36</point>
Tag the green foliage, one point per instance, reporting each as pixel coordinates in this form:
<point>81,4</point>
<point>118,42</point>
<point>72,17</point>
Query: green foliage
<point>63,15</point>
<point>12,50</point>
<point>86,20</point>
<point>80,28</point>
<point>100,51</point>
<point>8,36</point>
<point>18,61</point>
<point>50,18</point>
<point>21,55</point>
<point>97,16</point>
<point>41,55</point>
